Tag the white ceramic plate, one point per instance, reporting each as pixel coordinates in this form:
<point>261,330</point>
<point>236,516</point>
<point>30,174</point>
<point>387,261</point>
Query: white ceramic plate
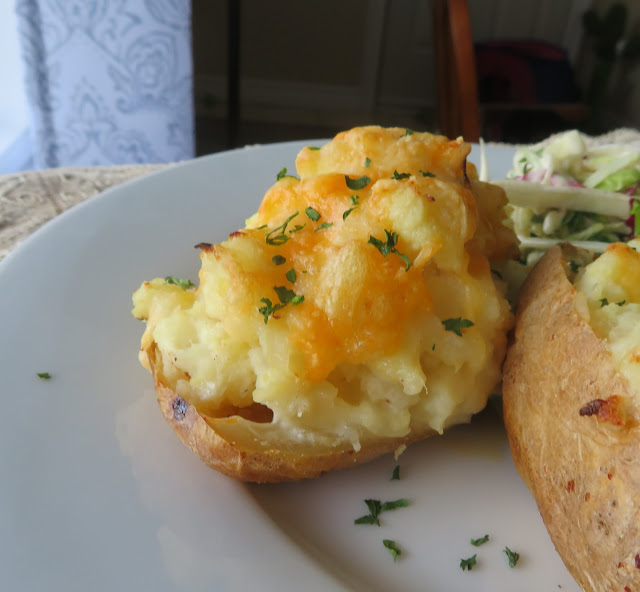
<point>97,494</point>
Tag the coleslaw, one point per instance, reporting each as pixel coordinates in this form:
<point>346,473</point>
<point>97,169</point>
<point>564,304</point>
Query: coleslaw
<point>563,191</point>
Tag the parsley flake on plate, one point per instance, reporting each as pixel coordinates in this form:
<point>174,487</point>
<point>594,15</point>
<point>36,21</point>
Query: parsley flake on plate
<point>44,375</point>
<point>399,176</point>
<point>393,547</point>
<point>367,162</point>
<point>467,564</point>
<point>456,325</point>
<point>426,173</point>
<point>395,475</point>
<point>480,541</point>
<point>324,225</point>
<point>278,259</point>
<point>512,556</point>
<point>376,507</point>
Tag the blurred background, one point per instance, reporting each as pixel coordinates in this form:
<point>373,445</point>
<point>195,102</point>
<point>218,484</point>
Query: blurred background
<point>281,70</point>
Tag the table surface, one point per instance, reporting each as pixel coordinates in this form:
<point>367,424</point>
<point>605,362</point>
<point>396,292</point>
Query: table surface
<point>29,199</point>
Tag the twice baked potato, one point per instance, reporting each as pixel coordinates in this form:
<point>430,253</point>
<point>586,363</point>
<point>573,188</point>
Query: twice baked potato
<point>355,313</point>
<point>571,399</point>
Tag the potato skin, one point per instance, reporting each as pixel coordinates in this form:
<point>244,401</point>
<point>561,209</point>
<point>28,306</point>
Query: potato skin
<point>241,458</point>
<point>573,431</point>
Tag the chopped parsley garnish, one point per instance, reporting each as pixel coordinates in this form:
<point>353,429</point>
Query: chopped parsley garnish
<point>282,173</point>
<point>268,309</point>
<point>394,505</point>
<point>468,563</point>
<point>426,173</point>
<point>456,325</point>
<point>313,147</point>
<point>573,266</point>
<point>376,507</point>
<point>356,184</point>
<point>367,519</point>
<point>312,214</point>
<point>367,162</point>
<point>324,225</point>
<point>354,202</point>
<point>180,282</point>
<point>278,259</point>
<point>496,273</point>
<point>297,228</point>
<point>291,275</point>
<point>395,476</point>
<point>393,548</point>
<point>398,176</point>
<point>385,247</point>
<point>408,132</point>
<point>433,347</point>
<point>389,246</point>
<point>480,541</point>
<point>603,302</point>
<point>278,236</point>
<point>44,375</point>
<point>285,296</point>
<point>621,302</point>
<point>512,555</point>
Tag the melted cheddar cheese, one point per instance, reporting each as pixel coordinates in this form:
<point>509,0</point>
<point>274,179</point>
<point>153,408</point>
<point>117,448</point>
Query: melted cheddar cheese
<point>329,307</point>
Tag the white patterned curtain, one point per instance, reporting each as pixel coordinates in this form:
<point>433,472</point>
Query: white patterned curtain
<point>108,81</point>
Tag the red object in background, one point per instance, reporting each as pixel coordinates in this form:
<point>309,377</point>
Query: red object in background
<point>523,72</point>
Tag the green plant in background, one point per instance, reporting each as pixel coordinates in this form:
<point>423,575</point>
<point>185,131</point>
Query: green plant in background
<point>607,36</point>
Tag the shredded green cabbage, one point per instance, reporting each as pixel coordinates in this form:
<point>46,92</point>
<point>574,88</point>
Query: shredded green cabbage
<point>560,190</point>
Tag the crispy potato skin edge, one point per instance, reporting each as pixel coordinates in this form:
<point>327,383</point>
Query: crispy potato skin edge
<point>583,472</point>
<point>246,463</point>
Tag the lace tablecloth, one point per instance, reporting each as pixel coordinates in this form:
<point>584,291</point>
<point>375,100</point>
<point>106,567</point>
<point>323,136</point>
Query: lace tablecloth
<point>29,199</point>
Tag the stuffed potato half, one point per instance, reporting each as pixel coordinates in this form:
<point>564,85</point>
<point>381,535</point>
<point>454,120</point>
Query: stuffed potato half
<point>357,311</point>
<point>571,408</point>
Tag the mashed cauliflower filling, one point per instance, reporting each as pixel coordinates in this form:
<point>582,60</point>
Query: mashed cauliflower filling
<point>357,305</point>
<point>611,286</point>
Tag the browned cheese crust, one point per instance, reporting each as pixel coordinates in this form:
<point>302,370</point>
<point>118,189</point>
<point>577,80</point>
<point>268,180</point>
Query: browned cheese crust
<point>573,432</point>
<point>241,457</point>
